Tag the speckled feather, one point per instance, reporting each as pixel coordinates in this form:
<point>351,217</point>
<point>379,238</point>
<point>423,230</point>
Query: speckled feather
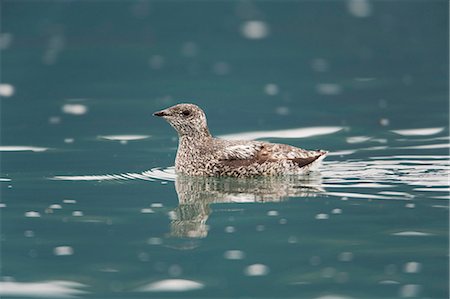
<point>200,154</point>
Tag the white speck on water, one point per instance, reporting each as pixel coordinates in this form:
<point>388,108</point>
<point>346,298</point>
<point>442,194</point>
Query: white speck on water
<point>256,270</point>
<point>273,213</point>
<point>147,211</point>
<point>359,8</point>
<point>75,109</point>
<point>384,122</point>
<point>69,140</point>
<point>282,110</point>
<point>260,228</point>
<point>345,256</point>
<point>412,234</point>
<point>2,205</point>
<point>419,132</point>
<point>63,250</point>
<point>77,213</point>
<point>32,214</point>
<point>70,201</point>
<point>124,137</point>
<point>234,255</point>
<point>292,240</point>
<point>271,89</point>
<point>283,221</point>
<point>357,139</point>
<point>322,216</point>
<point>336,211</point>
<point>156,205</point>
<point>230,229</point>
<point>55,206</point>
<point>328,89</point>
<point>409,290</point>
<point>255,29</point>
<point>172,285</point>
<point>6,90</point>
<point>29,234</point>
<point>154,241</point>
<point>410,205</point>
<point>21,148</point>
<point>6,39</point>
<point>54,120</point>
<point>412,267</point>
<point>328,272</point>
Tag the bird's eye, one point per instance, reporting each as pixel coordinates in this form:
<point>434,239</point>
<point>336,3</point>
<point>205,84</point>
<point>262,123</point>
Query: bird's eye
<point>186,112</point>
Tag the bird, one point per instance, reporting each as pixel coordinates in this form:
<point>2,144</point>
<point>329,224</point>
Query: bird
<point>201,154</point>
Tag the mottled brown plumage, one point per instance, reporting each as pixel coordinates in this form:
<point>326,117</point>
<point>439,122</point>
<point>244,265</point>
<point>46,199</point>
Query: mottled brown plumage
<point>201,154</point>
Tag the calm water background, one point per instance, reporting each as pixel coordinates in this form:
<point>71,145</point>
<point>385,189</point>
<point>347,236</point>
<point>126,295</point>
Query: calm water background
<point>91,208</point>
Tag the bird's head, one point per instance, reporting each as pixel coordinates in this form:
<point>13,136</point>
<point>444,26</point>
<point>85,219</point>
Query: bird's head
<point>187,119</point>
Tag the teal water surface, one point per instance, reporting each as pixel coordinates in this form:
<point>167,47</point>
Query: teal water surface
<point>92,208</point>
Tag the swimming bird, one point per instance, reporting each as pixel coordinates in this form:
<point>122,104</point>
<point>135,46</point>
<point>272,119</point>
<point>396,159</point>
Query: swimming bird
<point>201,154</point>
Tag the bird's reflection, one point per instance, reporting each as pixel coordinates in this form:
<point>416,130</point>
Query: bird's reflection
<point>195,194</point>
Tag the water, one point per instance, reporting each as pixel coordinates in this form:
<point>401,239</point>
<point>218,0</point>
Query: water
<point>91,206</point>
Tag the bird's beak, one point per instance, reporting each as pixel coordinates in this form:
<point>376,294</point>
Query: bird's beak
<point>161,113</point>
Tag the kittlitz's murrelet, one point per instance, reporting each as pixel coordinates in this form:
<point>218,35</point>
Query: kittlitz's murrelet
<point>199,153</point>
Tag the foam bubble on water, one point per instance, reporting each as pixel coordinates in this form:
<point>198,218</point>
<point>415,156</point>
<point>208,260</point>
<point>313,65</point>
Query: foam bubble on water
<point>412,234</point>
<point>147,211</point>
<point>6,39</point>
<point>63,250</point>
<point>157,205</point>
<point>412,267</point>
<point>410,290</point>
<point>172,285</point>
<point>336,211</point>
<point>55,206</point>
<point>328,89</point>
<point>6,90</point>
<point>234,255</point>
<point>124,137</point>
<point>255,29</point>
<point>46,289</point>
<point>271,89</point>
<point>419,131</point>
<point>154,241</point>
<point>256,270</point>
<point>70,201</point>
<point>230,229</point>
<point>345,256</point>
<point>322,216</point>
<point>357,139</point>
<point>273,213</point>
<point>21,148</point>
<point>77,213</point>
<point>359,8</point>
<point>32,214</point>
<point>75,109</point>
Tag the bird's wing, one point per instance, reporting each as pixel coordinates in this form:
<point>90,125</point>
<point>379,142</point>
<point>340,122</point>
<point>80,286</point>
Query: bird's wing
<point>240,151</point>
